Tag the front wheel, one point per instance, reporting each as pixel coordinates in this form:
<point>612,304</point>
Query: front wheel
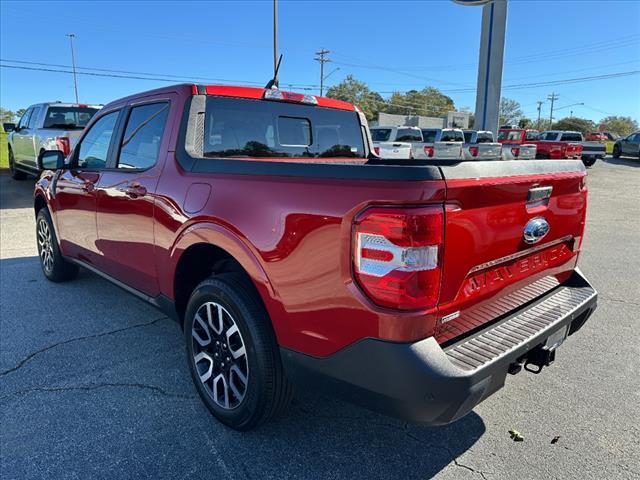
<point>232,353</point>
<point>53,264</point>
<point>15,173</point>
<point>616,151</point>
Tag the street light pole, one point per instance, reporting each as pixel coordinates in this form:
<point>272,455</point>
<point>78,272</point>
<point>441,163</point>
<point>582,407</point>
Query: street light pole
<point>73,64</point>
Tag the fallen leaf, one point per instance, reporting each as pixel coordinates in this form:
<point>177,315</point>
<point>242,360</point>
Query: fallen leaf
<point>555,439</point>
<point>516,436</point>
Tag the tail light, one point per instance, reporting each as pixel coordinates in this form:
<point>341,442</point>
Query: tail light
<point>428,151</point>
<point>63,145</point>
<point>515,151</point>
<point>397,255</point>
<point>376,150</point>
<point>473,151</point>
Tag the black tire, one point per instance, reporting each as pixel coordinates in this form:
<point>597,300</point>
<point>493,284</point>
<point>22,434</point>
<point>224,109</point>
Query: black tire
<point>266,392</point>
<point>589,162</point>
<point>53,264</point>
<point>15,173</point>
<point>616,151</point>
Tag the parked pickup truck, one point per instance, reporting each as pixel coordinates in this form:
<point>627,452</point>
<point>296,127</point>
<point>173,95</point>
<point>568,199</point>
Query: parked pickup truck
<point>440,144</point>
<point>395,142</point>
<point>558,144</point>
<point>517,143</point>
<point>45,126</point>
<point>480,145</point>
<point>289,254</point>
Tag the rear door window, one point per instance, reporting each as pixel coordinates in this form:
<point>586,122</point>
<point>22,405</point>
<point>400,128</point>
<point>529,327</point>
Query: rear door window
<point>485,138</point>
<point>143,135</point>
<point>468,136</point>
<point>532,136</point>
<point>380,134</point>
<point>35,113</point>
<point>549,136</point>
<point>412,135</point>
<point>256,128</point>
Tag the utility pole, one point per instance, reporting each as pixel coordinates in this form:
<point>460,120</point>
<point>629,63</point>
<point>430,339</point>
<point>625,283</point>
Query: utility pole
<point>553,97</point>
<point>570,113</point>
<point>73,64</point>
<point>322,59</point>
<point>540,102</point>
<point>275,37</point>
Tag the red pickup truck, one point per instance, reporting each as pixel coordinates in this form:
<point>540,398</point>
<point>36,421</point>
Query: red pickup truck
<point>557,144</point>
<point>260,220</point>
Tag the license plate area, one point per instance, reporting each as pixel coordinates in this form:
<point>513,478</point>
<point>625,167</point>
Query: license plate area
<point>556,339</point>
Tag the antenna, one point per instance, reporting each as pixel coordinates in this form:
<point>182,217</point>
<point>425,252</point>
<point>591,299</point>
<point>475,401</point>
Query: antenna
<point>273,83</point>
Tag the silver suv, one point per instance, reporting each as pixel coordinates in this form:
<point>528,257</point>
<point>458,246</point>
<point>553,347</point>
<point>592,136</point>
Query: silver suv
<point>45,126</point>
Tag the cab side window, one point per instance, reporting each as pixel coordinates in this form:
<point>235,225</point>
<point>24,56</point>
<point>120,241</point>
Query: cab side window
<point>24,120</point>
<point>93,150</point>
<point>143,136</point>
<point>35,113</point>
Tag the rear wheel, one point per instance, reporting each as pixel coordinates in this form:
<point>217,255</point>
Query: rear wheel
<point>53,264</point>
<point>232,352</point>
<point>589,162</point>
<point>15,173</point>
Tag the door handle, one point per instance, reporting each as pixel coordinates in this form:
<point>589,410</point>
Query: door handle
<point>88,186</point>
<point>135,190</point>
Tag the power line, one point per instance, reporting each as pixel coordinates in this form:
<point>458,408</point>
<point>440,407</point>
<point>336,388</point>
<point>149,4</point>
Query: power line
<point>135,75</point>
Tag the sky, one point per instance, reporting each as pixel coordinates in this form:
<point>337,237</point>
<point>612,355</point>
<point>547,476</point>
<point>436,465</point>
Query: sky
<point>390,45</point>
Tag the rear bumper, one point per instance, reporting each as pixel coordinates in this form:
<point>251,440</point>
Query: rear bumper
<point>426,383</point>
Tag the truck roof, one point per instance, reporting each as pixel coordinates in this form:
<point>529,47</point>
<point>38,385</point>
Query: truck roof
<point>254,93</point>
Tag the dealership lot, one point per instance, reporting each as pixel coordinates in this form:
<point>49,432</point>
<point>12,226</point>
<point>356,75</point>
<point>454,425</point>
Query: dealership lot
<point>94,384</point>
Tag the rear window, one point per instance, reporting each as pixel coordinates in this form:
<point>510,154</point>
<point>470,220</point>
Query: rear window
<point>68,118</point>
<point>532,136</point>
<point>380,134</point>
<point>429,136</point>
<point>452,136</point>
<point>549,136</point>
<point>509,135</point>
<point>485,137</point>
<point>468,136</point>
<point>571,137</point>
<point>256,128</point>
<point>409,135</point>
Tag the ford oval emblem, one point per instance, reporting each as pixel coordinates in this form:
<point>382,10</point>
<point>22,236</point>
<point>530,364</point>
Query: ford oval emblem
<point>535,230</point>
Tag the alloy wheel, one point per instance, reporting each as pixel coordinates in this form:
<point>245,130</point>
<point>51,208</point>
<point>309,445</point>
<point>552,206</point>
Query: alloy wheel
<point>219,355</point>
<point>45,245</point>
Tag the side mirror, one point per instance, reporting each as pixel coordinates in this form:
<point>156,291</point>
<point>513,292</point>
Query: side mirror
<point>9,127</point>
<point>51,160</point>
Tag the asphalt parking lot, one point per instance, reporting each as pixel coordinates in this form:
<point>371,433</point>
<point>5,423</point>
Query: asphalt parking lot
<point>94,383</point>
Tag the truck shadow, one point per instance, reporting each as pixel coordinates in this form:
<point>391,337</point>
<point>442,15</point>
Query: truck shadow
<point>88,363</point>
<point>628,162</point>
<point>16,194</point>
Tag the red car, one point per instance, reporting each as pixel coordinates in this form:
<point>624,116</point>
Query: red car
<point>556,144</point>
<point>289,254</point>
<point>596,137</point>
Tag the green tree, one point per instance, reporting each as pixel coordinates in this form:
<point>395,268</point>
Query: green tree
<point>6,115</point>
<point>623,126</point>
<point>583,125</point>
<point>19,113</point>
<point>510,112</point>
<point>357,92</point>
<point>428,102</point>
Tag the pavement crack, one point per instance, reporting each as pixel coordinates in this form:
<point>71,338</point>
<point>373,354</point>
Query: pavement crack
<point>32,355</point>
<point>619,300</point>
<point>96,386</point>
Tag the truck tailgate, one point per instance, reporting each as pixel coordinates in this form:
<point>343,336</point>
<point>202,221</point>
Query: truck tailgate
<point>489,268</point>
<point>447,150</point>
<point>488,151</point>
<point>393,150</point>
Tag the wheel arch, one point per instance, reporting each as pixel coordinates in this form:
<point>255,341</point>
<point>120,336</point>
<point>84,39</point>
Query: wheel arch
<point>206,249</point>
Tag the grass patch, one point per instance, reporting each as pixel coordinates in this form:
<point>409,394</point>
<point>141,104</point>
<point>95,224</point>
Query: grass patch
<point>4,150</point>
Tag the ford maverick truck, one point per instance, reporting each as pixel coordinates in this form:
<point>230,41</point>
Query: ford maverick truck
<point>261,221</point>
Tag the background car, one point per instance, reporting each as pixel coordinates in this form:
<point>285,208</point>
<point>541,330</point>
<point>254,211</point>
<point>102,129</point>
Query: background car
<point>45,126</point>
<point>629,146</point>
